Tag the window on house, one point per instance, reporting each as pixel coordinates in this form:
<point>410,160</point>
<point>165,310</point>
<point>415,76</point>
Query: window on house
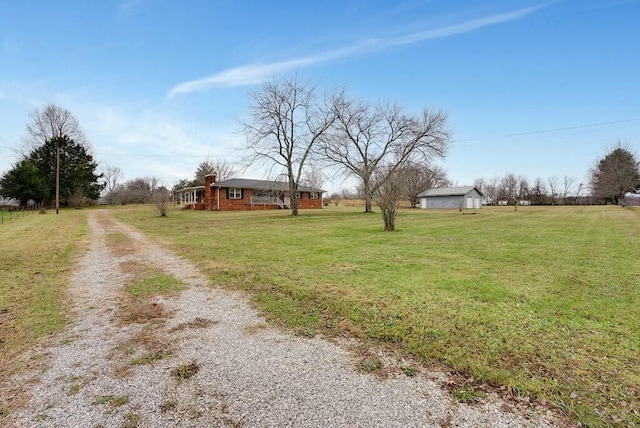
<point>298,195</point>
<point>314,195</point>
<point>235,193</point>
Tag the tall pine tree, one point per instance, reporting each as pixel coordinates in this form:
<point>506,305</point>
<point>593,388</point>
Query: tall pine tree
<point>78,178</point>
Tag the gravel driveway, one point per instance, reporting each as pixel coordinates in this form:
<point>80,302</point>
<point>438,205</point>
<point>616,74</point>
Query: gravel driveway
<point>225,367</point>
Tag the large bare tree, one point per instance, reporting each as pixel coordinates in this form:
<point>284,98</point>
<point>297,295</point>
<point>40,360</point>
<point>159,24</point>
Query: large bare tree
<point>367,137</point>
<point>286,121</point>
<point>51,122</point>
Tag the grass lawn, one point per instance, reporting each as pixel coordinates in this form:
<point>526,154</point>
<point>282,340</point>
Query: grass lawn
<point>35,266</point>
<point>543,302</point>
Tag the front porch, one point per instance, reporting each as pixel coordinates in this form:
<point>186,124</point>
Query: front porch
<point>191,198</point>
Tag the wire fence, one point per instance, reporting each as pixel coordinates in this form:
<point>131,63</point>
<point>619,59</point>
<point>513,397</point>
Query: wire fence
<point>10,213</point>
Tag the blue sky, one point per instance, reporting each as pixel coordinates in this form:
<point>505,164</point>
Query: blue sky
<point>531,87</point>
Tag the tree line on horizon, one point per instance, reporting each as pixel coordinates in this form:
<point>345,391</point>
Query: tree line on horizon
<point>296,132</point>
<point>610,179</point>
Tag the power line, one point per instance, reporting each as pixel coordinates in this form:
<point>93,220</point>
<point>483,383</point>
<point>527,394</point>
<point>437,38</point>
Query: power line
<point>519,134</point>
<point>546,131</point>
<point>147,155</point>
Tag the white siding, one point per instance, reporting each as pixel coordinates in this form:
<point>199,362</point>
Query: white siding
<point>471,200</point>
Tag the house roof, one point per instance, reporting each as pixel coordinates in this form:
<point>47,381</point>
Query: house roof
<point>246,183</point>
<point>449,191</point>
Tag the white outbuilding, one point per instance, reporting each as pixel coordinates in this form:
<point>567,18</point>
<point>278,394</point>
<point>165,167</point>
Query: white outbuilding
<point>466,197</point>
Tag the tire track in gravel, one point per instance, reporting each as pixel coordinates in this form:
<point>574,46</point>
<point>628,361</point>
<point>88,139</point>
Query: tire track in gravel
<point>248,373</point>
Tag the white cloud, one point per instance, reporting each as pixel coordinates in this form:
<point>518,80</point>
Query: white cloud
<point>153,144</point>
<point>255,73</point>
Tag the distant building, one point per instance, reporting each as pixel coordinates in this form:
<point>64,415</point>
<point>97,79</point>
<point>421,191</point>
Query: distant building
<point>631,199</point>
<point>9,202</point>
<point>467,197</point>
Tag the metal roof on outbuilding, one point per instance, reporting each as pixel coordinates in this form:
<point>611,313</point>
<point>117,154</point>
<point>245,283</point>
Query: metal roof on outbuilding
<point>449,191</point>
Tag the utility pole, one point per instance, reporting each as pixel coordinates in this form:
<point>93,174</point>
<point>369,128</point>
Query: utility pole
<point>57,178</point>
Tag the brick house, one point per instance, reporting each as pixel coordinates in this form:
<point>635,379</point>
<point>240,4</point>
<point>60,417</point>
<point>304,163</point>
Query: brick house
<point>241,194</point>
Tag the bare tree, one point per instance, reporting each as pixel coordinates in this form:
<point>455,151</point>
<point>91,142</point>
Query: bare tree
<point>313,178</point>
<point>389,187</point>
<point>481,185</point>
<point>51,122</point>
<point>365,138</point>
<point>77,198</point>
<point>286,121</point>
<point>348,194</point>
<point>162,200</point>
<point>417,178</point>
<point>510,185</point>
<point>554,185</point>
<point>538,192</point>
<point>568,184</point>
<point>334,198</point>
<point>524,191</point>
<point>112,176</point>
<point>138,191</point>
<point>223,170</point>
<point>491,190</point>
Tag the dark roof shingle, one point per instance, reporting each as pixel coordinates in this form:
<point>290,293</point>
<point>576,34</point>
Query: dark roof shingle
<point>246,183</point>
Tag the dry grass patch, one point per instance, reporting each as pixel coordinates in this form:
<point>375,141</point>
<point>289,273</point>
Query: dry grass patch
<point>168,406</point>
<point>142,312</point>
<point>196,323</point>
<point>113,401</point>
<point>186,371</point>
<point>255,328</point>
<point>119,244</point>
<point>144,284</point>
<point>145,347</point>
<point>131,420</point>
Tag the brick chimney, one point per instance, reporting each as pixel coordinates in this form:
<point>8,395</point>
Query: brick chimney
<point>209,179</point>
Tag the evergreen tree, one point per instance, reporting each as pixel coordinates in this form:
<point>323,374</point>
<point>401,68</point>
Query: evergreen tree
<point>77,169</point>
<point>78,178</point>
<point>24,182</point>
<point>615,175</point>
